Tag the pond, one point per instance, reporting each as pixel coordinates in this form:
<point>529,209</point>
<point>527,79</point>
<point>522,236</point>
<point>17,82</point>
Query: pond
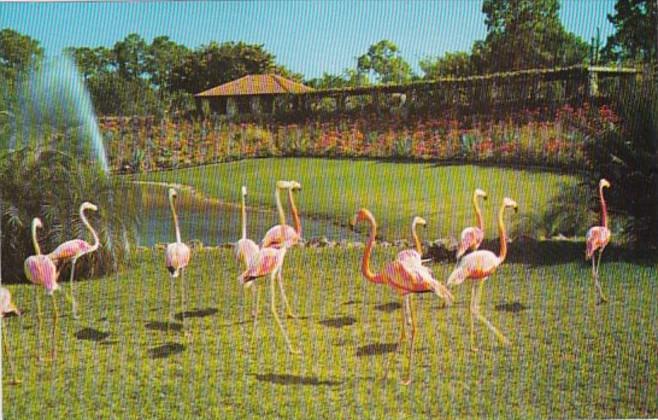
<point>213,222</point>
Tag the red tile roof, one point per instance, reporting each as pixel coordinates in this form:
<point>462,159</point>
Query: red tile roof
<point>256,84</point>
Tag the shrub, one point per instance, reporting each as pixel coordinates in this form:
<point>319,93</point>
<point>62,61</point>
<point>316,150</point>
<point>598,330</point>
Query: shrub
<point>51,185</point>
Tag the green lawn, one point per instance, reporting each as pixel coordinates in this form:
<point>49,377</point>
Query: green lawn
<point>394,192</point>
<point>570,358</point>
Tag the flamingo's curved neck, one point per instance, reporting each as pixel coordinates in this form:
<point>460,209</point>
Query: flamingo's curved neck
<point>295,215</point>
<point>502,234</point>
<point>478,213</point>
<point>604,208</point>
<point>414,234</point>
<point>37,249</point>
<point>91,230</point>
<point>173,212</point>
<point>279,207</point>
<point>244,218</point>
<point>365,263</point>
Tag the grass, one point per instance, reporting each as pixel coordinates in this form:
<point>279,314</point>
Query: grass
<point>394,192</point>
<point>570,358</point>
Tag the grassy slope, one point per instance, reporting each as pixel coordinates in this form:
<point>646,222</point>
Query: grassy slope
<point>394,192</point>
<point>570,358</point>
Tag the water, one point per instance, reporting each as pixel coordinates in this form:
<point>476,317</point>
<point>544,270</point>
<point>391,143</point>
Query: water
<point>213,223</point>
<point>54,106</point>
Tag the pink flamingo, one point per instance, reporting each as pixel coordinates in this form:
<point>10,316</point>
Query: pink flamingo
<point>414,254</point>
<point>477,267</point>
<point>598,238</point>
<point>177,257</point>
<point>405,276</point>
<point>41,270</point>
<point>472,237</point>
<point>76,248</point>
<point>7,307</point>
<point>283,232</point>
<point>246,249</point>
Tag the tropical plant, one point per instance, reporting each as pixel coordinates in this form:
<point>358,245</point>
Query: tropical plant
<point>51,185</point>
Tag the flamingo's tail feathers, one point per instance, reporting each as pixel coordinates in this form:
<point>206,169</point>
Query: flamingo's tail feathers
<point>456,277</point>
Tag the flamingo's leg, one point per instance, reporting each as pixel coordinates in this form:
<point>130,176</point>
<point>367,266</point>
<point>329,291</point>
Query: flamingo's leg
<point>276,316</point>
<point>39,323</point>
<point>602,298</point>
<point>255,291</point>
<point>182,302</point>
<point>5,344</point>
<point>53,352</point>
<point>410,308</point>
<point>74,305</point>
<point>400,340</point>
<point>484,320</point>
<point>472,311</point>
<point>283,294</point>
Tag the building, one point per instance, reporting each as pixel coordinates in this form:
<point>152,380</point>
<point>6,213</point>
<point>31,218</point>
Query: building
<point>251,94</point>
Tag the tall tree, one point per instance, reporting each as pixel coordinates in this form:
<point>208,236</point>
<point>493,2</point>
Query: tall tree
<point>349,78</point>
<point>384,61</point>
<point>91,62</point>
<point>636,36</point>
<point>161,57</point>
<point>17,53</point>
<point>525,34</point>
<point>457,64</point>
<point>214,64</point>
<point>130,55</point>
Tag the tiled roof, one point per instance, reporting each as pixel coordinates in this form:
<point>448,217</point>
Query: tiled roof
<point>256,84</point>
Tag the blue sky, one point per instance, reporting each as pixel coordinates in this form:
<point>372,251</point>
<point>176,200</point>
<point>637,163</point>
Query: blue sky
<point>310,37</point>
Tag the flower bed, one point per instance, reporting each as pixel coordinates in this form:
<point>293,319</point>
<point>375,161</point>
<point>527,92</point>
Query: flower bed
<point>530,137</point>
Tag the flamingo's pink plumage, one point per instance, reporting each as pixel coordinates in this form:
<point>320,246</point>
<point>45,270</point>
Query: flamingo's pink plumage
<point>597,239</point>
<point>282,233</point>
<point>405,276</point>
<point>472,237</point>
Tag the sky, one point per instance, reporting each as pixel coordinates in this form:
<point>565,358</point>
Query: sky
<point>309,37</point>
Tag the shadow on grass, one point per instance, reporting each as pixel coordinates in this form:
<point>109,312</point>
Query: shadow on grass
<point>339,322</point>
<point>295,380</point>
<point>163,326</point>
<point>376,349</point>
<point>166,350</point>
<point>197,313</point>
<point>91,334</point>
<point>388,307</point>
<point>513,307</point>
<point>351,302</point>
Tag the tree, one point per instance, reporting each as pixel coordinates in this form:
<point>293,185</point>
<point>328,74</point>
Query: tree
<point>17,53</point>
<point>91,62</point>
<point>383,59</point>
<point>161,57</point>
<point>130,55</point>
<point>349,78</point>
<point>457,64</point>
<point>524,34</point>
<point>214,64</point>
<point>636,36</point>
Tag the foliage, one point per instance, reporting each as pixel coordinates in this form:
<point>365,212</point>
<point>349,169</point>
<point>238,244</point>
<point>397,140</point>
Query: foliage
<point>636,35</point>
<point>627,155</point>
<point>17,53</point>
<point>457,64</point>
<point>119,361</point>
<point>350,78</point>
<point>528,34</point>
<point>113,94</point>
<point>383,59</point>
<point>52,185</point>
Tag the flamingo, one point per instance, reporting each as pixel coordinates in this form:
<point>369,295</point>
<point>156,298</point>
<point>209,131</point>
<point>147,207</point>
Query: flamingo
<point>246,249</point>
<point>7,307</point>
<point>76,248</point>
<point>283,232</point>
<point>597,239</point>
<point>41,270</point>
<point>414,254</point>
<point>472,237</point>
<point>177,257</point>
<point>477,267</point>
<point>405,276</point>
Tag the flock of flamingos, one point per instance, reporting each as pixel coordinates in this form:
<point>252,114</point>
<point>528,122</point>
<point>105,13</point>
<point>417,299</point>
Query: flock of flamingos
<point>406,275</point>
